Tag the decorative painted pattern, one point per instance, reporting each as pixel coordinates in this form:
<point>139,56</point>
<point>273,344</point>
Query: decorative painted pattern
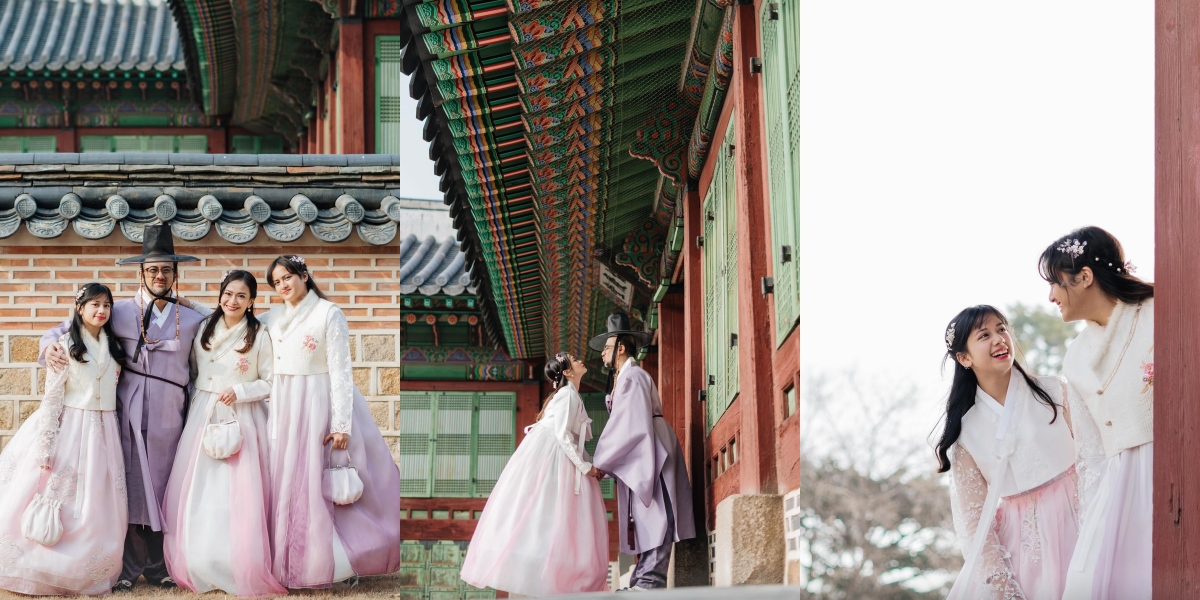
<point>542,51</point>
<point>541,78</point>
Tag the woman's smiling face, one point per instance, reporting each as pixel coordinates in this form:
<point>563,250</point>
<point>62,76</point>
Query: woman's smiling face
<point>990,347</point>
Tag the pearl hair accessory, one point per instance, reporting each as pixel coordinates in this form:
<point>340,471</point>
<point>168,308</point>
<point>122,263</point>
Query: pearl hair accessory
<point>950,337</point>
<point>79,294</point>
<point>298,259</point>
<point>1072,247</point>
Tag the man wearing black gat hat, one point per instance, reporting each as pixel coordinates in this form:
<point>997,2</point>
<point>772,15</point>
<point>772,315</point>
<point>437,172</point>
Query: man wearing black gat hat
<point>157,335</point>
<point>639,449</point>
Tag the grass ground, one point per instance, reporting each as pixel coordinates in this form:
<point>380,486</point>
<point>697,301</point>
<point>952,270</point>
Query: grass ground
<point>368,587</point>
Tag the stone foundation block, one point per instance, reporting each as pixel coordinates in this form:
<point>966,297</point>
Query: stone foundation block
<point>749,540</point>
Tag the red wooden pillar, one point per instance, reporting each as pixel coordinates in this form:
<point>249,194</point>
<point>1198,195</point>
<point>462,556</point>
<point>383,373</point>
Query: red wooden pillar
<point>350,93</point>
<point>672,360</point>
<point>693,367</point>
<point>1176,555</point>
<point>755,356</point>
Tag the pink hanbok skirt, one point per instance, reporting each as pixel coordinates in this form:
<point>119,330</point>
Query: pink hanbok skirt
<point>315,542</point>
<point>88,477</point>
<point>1039,529</point>
<point>216,510</point>
<point>536,537</point>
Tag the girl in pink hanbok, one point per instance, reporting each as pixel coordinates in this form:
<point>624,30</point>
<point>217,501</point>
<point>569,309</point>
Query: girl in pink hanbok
<point>67,458</point>
<point>1110,371</point>
<point>216,507</point>
<point>322,438</point>
<point>543,531</point>
<point>1008,447</point>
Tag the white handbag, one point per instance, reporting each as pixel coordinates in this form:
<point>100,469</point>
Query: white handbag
<point>342,485</point>
<point>40,522</point>
<point>222,439</point>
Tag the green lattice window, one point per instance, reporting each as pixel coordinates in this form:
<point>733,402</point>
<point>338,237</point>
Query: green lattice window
<point>170,144</point>
<point>720,284</point>
<point>781,79</point>
<point>454,444</point>
<point>429,571</point>
<point>594,404</point>
<point>257,144</point>
<point>25,144</point>
<point>387,94</point>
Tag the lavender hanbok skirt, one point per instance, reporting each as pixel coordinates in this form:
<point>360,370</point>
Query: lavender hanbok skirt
<point>88,477</point>
<point>216,510</point>
<point>1112,560</point>
<point>315,542</point>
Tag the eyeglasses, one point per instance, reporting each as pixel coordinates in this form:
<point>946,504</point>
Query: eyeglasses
<point>164,271</point>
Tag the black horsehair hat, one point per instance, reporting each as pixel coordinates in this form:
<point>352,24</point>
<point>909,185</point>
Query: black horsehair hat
<point>618,324</point>
<point>157,246</point>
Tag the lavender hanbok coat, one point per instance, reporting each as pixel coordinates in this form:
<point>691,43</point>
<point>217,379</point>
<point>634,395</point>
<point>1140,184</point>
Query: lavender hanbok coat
<point>637,447</point>
<point>147,405</point>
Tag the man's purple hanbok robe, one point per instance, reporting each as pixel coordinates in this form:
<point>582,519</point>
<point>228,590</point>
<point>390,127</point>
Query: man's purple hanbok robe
<point>637,447</point>
<point>150,412</point>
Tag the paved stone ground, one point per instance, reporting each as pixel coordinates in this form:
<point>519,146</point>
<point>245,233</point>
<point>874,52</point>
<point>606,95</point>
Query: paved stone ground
<point>750,592</point>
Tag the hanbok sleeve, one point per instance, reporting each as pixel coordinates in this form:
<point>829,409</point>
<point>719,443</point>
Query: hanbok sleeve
<point>259,389</point>
<point>341,378</point>
<point>993,576</point>
<point>51,411</point>
<point>568,404</point>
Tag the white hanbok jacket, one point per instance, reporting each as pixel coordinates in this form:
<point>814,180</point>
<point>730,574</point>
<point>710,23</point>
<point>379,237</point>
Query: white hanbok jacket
<point>1003,450</point>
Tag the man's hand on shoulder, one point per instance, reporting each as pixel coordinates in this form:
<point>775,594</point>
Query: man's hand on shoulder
<point>56,357</point>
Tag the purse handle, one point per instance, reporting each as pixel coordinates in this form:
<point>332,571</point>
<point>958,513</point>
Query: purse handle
<point>329,458</point>
<point>212,408</point>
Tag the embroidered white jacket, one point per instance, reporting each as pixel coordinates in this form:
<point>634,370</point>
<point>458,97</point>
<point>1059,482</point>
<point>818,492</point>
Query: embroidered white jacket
<point>312,338</point>
<point>90,385</point>
<point>1124,413</point>
<point>222,366</point>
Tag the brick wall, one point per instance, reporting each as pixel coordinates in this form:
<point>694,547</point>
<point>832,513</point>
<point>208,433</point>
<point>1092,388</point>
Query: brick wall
<point>38,283</point>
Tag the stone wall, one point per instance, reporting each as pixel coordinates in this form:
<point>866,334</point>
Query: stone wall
<point>37,286</point>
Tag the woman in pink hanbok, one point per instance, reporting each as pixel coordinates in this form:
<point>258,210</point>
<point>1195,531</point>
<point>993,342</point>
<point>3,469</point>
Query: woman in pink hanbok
<point>216,509</point>
<point>1008,447</point>
<point>1109,369</point>
<point>67,454</point>
<point>319,421</point>
<point>543,531</point>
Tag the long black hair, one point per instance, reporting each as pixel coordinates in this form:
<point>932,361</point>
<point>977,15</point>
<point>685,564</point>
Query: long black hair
<point>296,266</point>
<point>75,332</point>
<point>252,322</point>
<point>962,387</point>
<point>1093,247</point>
<point>555,373</point>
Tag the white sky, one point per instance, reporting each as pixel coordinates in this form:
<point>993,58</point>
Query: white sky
<point>944,145</point>
<point>416,170</point>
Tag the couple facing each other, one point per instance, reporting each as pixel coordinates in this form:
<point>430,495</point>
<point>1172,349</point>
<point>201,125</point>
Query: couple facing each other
<point>95,495</point>
<point>1051,477</point>
<point>543,530</point>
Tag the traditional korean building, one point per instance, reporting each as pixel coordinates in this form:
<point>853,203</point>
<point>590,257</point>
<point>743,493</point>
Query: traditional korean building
<point>66,218</point>
<point>640,155</point>
<point>200,76</point>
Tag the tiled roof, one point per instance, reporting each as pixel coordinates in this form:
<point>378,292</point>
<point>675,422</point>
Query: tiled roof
<point>237,195</point>
<point>430,266</point>
<point>107,35</point>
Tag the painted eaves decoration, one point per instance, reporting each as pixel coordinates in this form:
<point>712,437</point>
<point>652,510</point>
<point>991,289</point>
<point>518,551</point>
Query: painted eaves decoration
<point>562,132</point>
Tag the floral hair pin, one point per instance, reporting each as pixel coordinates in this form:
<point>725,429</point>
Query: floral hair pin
<point>79,294</point>
<point>1129,268</point>
<point>298,259</point>
<point>1072,247</point>
<point>225,275</point>
<point>950,337</point>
